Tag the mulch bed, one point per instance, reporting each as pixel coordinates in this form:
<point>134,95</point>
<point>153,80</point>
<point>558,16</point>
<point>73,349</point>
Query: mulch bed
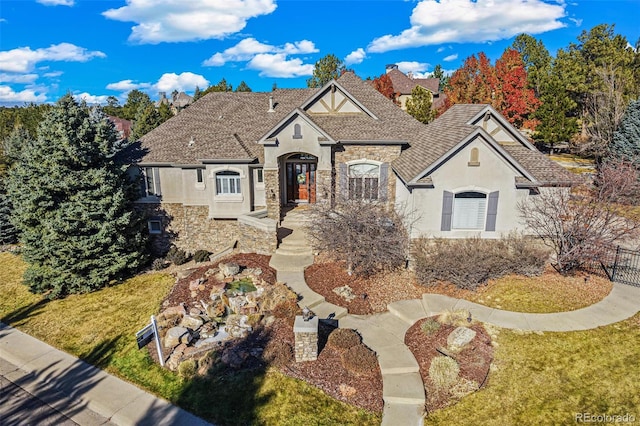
<point>373,293</point>
<point>474,360</point>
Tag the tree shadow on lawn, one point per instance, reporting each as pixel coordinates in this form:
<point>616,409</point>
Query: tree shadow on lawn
<point>230,391</point>
<point>25,312</point>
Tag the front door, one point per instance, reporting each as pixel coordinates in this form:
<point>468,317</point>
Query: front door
<point>301,182</point>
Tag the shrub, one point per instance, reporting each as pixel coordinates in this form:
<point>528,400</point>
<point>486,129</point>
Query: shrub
<point>443,372</point>
<point>459,318</point>
<point>177,256</point>
<point>429,326</point>
<point>201,256</point>
<point>343,338</point>
<point>158,264</point>
<point>359,360</point>
<point>467,263</point>
<point>187,369</point>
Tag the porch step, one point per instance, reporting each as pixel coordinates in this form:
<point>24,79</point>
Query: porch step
<point>288,250</point>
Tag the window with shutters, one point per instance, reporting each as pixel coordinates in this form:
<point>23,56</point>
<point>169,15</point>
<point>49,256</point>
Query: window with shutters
<point>227,183</point>
<point>151,181</point>
<point>364,180</point>
<point>469,210</point>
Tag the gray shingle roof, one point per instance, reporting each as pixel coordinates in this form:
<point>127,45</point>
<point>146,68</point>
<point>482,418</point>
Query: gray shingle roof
<point>403,84</point>
<point>450,129</point>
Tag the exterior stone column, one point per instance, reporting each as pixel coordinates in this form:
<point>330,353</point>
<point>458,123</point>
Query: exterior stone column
<point>323,186</point>
<point>306,339</point>
<point>272,193</point>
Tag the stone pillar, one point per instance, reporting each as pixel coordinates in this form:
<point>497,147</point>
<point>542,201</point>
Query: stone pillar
<point>306,339</point>
<point>272,193</point>
<point>324,188</point>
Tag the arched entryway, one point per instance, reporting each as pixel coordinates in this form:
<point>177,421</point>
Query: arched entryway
<point>299,179</point>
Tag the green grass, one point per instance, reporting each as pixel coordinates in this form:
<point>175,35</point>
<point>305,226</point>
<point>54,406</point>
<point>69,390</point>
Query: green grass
<point>100,328</point>
<point>547,378</point>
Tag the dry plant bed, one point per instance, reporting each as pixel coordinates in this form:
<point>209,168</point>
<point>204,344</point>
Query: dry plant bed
<point>474,361</point>
<point>272,345</point>
<point>373,293</point>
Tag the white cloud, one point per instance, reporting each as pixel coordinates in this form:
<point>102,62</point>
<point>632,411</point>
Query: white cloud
<point>178,20</point>
<point>56,2</point>
<point>248,48</point>
<point>18,78</point>
<point>440,49</point>
<point>355,57</point>
<point>277,65</point>
<point>412,66</point>
<point>451,57</point>
<point>53,74</point>
<point>168,82</point>
<point>186,81</point>
<point>576,21</point>
<point>127,86</point>
<point>91,99</point>
<point>8,96</point>
<point>23,59</point>
<point>460,21</point>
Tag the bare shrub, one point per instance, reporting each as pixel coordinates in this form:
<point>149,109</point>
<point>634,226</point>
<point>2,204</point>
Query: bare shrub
<point>457,318</point>
<point>467,263</point>
<point>343,338</point>
<point>367,234</point>
<point>584,224</point>
<point>443,372</point>
<point>359,360</point>
<point>187,369</point>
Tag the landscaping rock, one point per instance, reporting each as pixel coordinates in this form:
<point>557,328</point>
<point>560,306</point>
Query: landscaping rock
<point>345,292</point>
<point>211,271</point>
<point>229,269</point>
<point>191,322</point>
<point>176,336</point>
<point>176,357</point>
<point>185,273</point>
<point>460,337</point>
<point>174,310</point>
<point>237,326</point>
<point>193,285</point>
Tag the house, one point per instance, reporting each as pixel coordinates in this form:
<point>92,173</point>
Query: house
<point>178,101</point>
<point>224,169</point>
<point>123,127</point>
<point>404,84</point>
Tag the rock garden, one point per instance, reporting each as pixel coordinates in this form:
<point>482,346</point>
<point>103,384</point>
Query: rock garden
<point>234,313</point>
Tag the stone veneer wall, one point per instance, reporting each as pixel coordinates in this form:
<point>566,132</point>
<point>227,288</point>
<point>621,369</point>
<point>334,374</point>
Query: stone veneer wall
<point>323,185</point>
<point>272,193</point>
<point>191,229</point>
<point>382,153</point>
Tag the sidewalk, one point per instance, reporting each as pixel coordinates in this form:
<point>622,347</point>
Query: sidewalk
<point>84,394</point>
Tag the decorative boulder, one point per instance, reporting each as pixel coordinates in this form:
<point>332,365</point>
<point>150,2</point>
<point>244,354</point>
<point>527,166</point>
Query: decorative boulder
<point>191,322</point>
<point>460,337</point>
<point>176,336</point>
<point>229,269</point>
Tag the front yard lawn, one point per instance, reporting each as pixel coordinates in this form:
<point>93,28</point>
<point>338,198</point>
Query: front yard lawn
<point>549,378</point>
<point>100,328</point>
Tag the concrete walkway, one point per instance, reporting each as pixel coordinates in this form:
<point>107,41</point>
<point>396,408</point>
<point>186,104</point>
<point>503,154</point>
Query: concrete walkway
<point>82,393</point>
<point>403,390</point>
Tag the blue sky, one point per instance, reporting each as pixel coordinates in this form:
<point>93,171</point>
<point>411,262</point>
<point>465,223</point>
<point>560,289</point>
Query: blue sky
<point>95,48</point>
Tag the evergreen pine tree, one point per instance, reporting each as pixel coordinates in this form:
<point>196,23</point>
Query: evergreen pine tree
<point>8,232</point>
<point>73,204</point>
<point>626,139</point>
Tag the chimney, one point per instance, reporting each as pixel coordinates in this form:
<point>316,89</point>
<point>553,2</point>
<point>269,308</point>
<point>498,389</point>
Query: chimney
<point>391,67</point>
<point>271,104</point>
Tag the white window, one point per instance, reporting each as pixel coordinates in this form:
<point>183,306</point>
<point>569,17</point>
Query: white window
<point>469,210</point>
<point>155,226</point>
<point>364,180</point>
<point>227,183</point>
<point>151,181</point>
<point>259,176</point>
<point>200,175</point>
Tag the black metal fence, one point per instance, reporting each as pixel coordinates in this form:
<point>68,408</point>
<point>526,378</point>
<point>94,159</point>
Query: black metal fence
<point>623,266</point>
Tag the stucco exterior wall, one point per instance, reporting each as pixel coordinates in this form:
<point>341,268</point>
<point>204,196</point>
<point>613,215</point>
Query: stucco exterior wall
<point>423,206</point>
